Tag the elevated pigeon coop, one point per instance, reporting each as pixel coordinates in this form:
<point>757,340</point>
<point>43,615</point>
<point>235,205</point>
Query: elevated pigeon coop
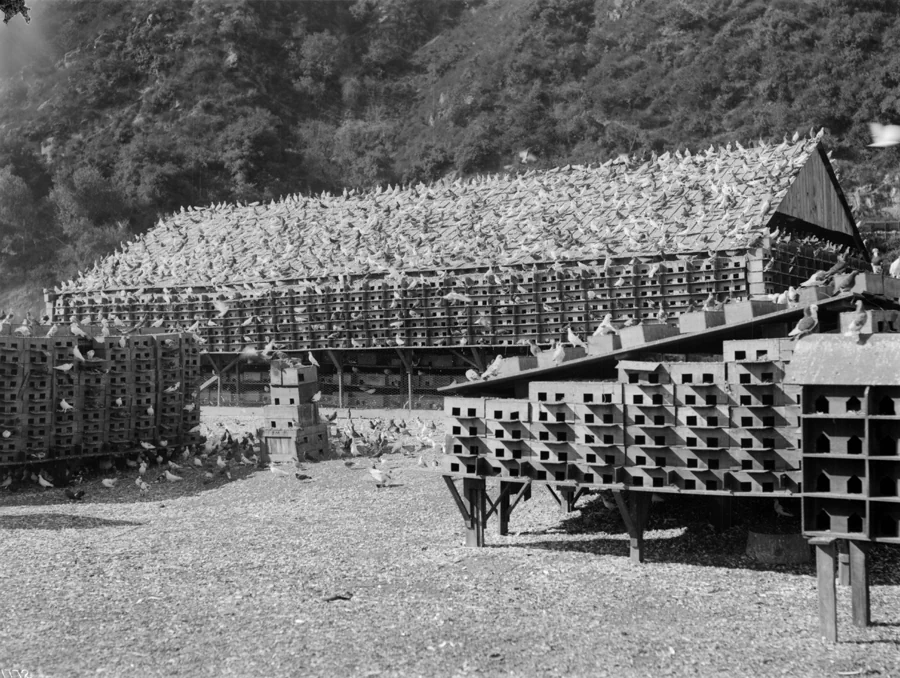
<point>443,273</point>
<point>817,419</point>
<point>127,390</point>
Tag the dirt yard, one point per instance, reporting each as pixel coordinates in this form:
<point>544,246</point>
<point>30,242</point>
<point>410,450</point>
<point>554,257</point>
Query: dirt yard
<point>269,575</point>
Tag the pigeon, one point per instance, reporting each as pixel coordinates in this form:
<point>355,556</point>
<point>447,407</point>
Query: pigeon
<point>494,368</point>
<point>817,279</point>
<point>884,136</point>
<point>605,326</point>
<point>109,482</point>
<point>312,359</point>
<point>472,375</point>
<point>65,367</point>
<point>807,324</point>
<point>43,482</point>
<point>574,338</point>
<point>559,354</point>
<point>278,472</point>
<point>316,398</point>
<point>143,468</point>
<point>857,321</point>
<point>172,478</point>
<point>74,495</point>
<point>779,509</point>
<point>382,477</point>
<point>144,487</point>
<point>894,270</point>
<point>844,283</point>
<point>877,261</point>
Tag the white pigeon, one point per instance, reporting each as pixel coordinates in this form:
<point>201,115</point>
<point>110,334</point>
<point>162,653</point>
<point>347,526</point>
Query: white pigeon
<point>147,446</point>
<point>172,464</point>
<point>559,354</point>
<point>145,488</point>
<point>472,375</point>
<point>312,359</point>
<point>894,270</point>
<point>220,462</point>
<point>494,368</point>
<point>605,326</point>
<point>574,339</point>
<point>65,406</point>
<point>142,469</point>
<point>884,136</point>
<point>43,482</point>
<point>109,482</point>
<point>278,472</point>
<point>815,280</point>
<point>172,478</point>
<point>198,462</point>
<point>382,477</point>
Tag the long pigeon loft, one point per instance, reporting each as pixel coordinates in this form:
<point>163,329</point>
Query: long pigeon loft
<point>490,261</point>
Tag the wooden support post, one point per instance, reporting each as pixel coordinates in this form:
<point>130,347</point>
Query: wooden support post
<point>237,384</point>
<point>859,582</point>
<point>503,510</point>
<point>554,495</point>
<point>634,515</point>
<point>566,500</point>
<point>339,366</point>
<point>826,587</point>
<point>843,556</point>
<point>406,359</point>
<point>474,493</point>
<point>722,513</point>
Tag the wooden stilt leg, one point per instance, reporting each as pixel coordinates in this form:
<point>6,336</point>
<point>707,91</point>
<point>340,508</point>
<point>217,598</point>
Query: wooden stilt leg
<point>634,515</point>
<point>859,581</point>
<point>474,493</point>
<point>565,500</point>
<point>826,587</point>
<point>843,556</point>
<point>503,510</point>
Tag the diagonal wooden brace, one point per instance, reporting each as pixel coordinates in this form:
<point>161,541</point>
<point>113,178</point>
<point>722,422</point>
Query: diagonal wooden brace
<point>459,502</point>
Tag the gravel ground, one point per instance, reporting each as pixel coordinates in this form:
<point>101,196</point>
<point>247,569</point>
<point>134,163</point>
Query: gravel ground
<point>274,576</point>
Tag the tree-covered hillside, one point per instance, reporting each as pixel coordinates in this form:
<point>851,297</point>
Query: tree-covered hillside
<point>111,118</point>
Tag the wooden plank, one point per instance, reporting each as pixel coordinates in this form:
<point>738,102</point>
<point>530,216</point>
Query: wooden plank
<point>524,492</point>
<point>495,505</point>
<point>827,593</point>
<point>859,582</point>
<point>504,508</point>
<point>474,493</point>
<point>553,494</point>
<point>455,494</point>
<point>843,556</point>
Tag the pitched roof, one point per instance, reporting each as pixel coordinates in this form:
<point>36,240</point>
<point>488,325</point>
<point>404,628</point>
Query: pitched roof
<point>718,199</point>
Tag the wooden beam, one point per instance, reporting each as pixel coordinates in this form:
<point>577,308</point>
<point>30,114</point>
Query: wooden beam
<point>826,588</point>
<point>478,357</point>
<point>553,494</point>
<point>466,360</point>
<point>504,511</point>
<point>859,582</point>
<point>843,556</point>
<point>405,358</point>
<point>722,509</point>
<point>524,491</point>
<point>475,495</point>
<point>455,494</point>
<point>505,489</point>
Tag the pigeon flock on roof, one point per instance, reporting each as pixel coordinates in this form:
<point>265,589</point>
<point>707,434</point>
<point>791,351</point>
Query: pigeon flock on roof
<point>717,199</point>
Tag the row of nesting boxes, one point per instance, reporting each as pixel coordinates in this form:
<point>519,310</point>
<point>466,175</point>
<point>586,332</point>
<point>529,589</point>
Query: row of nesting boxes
<point>56,405</point>
<point>503,309</point>
<point>712,425</point>
<point>293,430</point>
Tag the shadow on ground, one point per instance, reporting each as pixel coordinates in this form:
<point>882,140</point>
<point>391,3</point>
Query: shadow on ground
<point>680,531</point>
<point>60,521</point>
